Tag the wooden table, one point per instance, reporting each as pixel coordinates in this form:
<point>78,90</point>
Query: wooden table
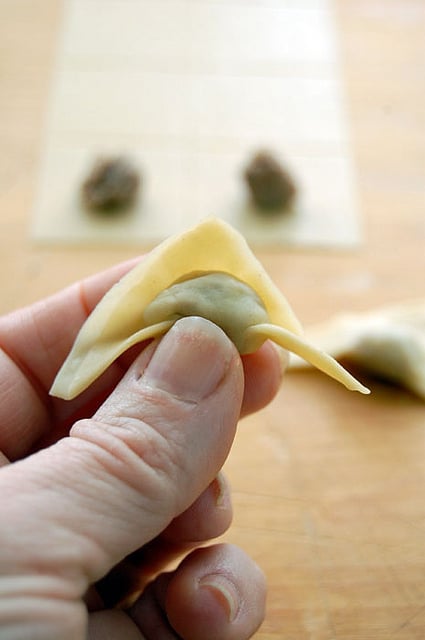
<point>328,485</point>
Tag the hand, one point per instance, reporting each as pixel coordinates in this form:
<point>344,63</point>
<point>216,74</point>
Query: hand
<point>100,493</point>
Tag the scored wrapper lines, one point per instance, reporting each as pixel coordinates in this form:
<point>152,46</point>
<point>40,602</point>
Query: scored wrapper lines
<point>212,247</point>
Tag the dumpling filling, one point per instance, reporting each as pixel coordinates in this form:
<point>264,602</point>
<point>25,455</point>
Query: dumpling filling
<point>231,304</point>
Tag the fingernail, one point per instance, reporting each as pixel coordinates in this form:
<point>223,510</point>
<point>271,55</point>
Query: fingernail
<point>191,360</point>
<point>219,487</point>
<point>224,592</point>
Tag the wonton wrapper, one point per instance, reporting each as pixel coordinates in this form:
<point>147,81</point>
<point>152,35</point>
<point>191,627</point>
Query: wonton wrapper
<point>387,343</point>
<point>118,323</point>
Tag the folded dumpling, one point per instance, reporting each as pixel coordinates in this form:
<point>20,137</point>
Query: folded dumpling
<point>208,271</point>
<point>387,343</point>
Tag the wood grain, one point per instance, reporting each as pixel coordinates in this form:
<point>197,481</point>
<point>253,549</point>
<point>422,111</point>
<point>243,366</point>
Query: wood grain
<point>328,485</point>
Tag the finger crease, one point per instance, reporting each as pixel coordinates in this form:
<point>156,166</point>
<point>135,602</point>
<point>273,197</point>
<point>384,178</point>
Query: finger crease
<point>29,375</point>
<point>82,296</point>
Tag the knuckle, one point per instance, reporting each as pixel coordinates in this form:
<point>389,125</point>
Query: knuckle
<point>130,451</point>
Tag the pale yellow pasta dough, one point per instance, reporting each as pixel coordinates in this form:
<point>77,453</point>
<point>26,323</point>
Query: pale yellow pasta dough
<point>207,271</point>
<point>387,343</point>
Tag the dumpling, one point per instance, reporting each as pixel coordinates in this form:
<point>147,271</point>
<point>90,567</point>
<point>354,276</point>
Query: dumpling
<point>207,271</point>
<point>387,343</point>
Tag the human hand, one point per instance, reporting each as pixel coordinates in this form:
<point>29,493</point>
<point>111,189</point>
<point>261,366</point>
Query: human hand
<point>100,493</point>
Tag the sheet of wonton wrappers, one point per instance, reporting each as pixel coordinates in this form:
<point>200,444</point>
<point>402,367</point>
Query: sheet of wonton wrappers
<point>190,91</point>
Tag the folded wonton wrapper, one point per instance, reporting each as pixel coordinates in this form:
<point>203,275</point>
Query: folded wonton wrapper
<point>387,343</point>
<point>208,271</point>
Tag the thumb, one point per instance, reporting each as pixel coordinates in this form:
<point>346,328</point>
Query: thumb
<point>78,507</point>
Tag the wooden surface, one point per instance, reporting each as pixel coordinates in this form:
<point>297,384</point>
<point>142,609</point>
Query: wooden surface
<point>328,485</point>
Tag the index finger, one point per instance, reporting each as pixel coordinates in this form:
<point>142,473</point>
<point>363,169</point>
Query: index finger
<point>33,344</point>
<point>38,338</point>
